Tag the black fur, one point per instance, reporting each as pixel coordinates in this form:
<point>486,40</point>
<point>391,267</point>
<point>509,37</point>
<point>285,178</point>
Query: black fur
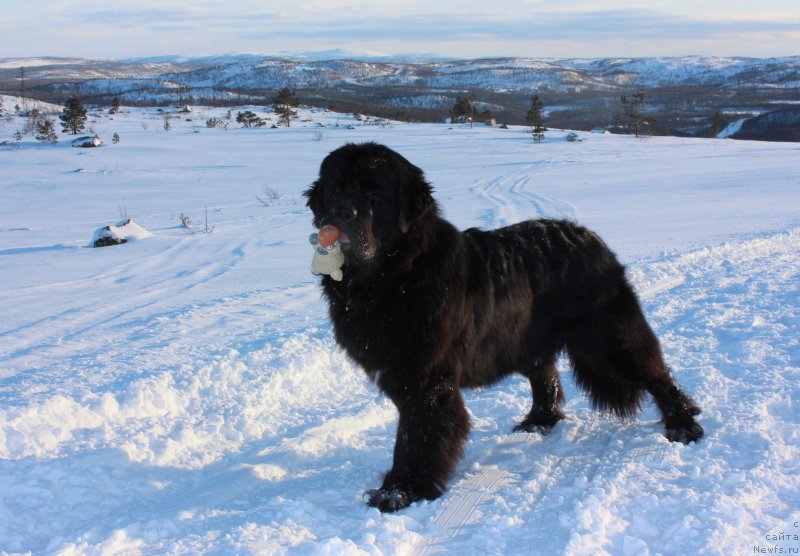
<point>426,310</point>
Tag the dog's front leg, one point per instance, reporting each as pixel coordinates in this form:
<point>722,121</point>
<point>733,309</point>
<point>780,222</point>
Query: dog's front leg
<point>430,437</point>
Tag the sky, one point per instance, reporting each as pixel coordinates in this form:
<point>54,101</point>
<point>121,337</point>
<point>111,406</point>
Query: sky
<point>448,28</point>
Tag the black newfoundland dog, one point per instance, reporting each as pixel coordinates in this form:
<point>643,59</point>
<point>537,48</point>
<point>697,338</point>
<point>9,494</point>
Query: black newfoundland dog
<point>426,310</point>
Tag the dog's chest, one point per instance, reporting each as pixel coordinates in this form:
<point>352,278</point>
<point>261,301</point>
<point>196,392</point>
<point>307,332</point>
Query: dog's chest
<point>380,326</point>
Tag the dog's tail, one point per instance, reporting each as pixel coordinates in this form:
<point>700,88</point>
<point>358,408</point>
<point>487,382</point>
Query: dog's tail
<point>608,394</point>
<point>615,355</point>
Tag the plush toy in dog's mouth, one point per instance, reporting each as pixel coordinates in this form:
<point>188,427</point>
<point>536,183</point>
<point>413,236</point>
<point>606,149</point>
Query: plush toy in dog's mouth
<point>330,235</point>
<point>328,257</point>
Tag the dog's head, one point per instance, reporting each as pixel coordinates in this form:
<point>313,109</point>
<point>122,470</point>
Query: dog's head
<point>374,195</point>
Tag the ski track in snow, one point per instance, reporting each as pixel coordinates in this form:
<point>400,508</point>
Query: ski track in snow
<point>512,197</point>
<point>198,414</point>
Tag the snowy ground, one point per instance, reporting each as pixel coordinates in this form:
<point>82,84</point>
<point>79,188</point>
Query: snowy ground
<point>182,393</point>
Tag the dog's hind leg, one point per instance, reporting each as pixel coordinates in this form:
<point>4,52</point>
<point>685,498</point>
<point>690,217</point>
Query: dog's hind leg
<point>617,359</point>
<point>678,411</point>
<point>548,396</point>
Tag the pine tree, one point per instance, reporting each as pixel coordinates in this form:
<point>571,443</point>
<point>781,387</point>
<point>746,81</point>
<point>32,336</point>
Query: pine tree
<point>114,106</point>
<point>249,119</point>
<point>633,111</point>
<point>535,118</point>
<point>115,138</point>
<point>283,105</point>
<point>46,131</point>
<point>463,108</point>
<point>717,123</point>
<point>73,117</point>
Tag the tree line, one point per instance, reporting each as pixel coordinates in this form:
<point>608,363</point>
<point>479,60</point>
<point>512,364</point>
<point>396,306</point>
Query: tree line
<point>73,117</point>
<point>631,116</point>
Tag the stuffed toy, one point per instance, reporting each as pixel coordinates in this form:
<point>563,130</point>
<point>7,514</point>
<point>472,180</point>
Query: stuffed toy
<point>328,256</point>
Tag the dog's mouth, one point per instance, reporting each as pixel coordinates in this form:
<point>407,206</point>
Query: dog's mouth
<point>356,238</point>
<point>357,244</point>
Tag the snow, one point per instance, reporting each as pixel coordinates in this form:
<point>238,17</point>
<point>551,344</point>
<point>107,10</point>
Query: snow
<point>16,63</point>
<point>183,393</point>
<point>732,129</point>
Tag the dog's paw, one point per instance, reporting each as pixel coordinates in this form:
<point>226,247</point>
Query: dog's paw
<point>689,433</point>
<point>533,428</point>
<point>539,422</point>
<point>389,500</point>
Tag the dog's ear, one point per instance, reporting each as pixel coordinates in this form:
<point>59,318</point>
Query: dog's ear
<point>330,172</point>
<point>313,197</point>
<point>416,198</point>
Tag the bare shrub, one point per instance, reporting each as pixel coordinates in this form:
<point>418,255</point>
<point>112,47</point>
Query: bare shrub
<point>268,196</point>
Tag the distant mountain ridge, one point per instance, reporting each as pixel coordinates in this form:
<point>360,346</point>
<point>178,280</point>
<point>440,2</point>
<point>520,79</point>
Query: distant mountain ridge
<point>257,71</point>
<point>578,92</point>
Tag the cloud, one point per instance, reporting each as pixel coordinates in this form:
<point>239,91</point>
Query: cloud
<point>612,24</point>
<point>439,26</point>
<point>450,28</point>
<point>148,17</point>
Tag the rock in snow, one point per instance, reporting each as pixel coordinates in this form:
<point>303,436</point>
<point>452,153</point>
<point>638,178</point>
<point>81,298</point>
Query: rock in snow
<point>87,142</point>
<point>121,233</point>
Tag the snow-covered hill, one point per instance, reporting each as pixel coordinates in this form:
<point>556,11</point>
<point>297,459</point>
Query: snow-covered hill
<point>684,96</point>
<point>250,72</point>
<point>183,394</point>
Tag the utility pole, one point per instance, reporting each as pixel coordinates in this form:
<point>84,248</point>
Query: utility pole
<point>22,87</point>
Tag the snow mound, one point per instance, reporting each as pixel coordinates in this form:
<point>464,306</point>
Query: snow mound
<point>123,232</point>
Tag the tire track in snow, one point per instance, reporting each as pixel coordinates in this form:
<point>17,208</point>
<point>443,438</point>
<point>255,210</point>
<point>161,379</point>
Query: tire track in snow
<point>584,456</point>
<point>104,300</point>
<point>153,279</point>
<point>108,312</point>
<point>184,333</point>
